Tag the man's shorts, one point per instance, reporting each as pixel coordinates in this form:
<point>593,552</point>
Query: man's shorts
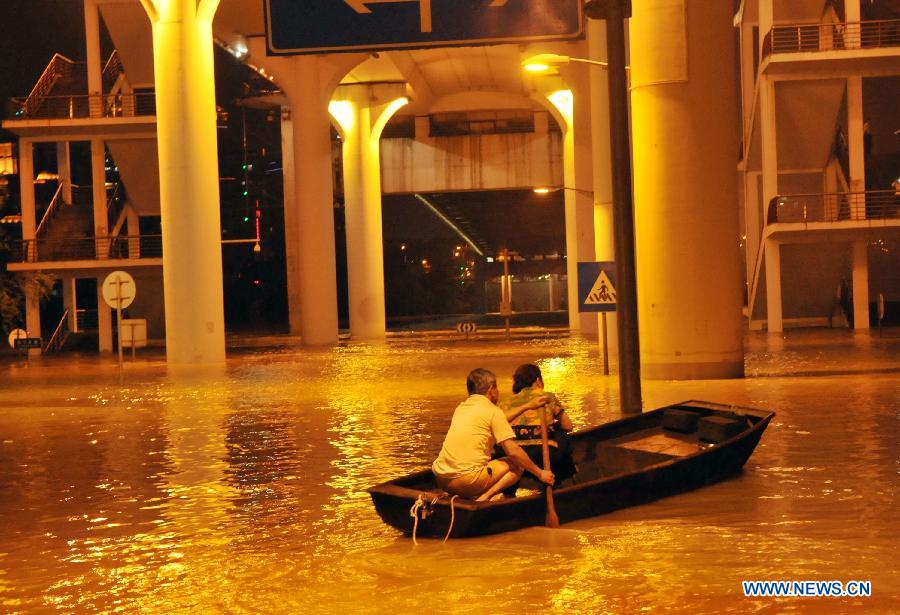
<point>474,483</point>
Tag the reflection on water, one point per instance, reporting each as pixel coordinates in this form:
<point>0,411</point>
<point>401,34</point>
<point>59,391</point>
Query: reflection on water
<point>244,490</point>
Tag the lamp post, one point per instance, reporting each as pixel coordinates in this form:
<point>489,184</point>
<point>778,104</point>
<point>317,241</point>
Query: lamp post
<point>614,12</point>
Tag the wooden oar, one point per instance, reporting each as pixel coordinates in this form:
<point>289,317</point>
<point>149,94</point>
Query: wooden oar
<point>552,520</point>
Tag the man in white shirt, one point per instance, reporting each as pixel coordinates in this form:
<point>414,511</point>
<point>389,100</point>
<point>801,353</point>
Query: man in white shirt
<point>464,466</point>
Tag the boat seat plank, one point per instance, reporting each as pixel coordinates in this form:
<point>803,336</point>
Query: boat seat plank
<point>662,443</point>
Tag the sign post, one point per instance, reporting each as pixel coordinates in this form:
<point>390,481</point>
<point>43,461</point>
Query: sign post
<point>506,290</point>
<point>19,340</point>
<point>597,293</point>
<point>118,291</point>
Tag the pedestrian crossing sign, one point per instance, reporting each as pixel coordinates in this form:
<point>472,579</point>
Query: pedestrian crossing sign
<point>597,287</point>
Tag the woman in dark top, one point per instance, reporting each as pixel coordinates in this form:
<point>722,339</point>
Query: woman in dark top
<point>528,384</point>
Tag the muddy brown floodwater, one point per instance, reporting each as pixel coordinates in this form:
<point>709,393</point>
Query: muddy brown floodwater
<point>243,490</point>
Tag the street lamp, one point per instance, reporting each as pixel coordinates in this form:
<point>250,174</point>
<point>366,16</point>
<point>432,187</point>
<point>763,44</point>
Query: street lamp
<point>549,189</point>
<point>543,62</point>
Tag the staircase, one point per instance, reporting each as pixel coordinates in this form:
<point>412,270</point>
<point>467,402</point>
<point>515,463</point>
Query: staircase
<point>70,221</point>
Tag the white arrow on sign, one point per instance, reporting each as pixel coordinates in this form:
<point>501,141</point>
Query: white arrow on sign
<point>424,8</point>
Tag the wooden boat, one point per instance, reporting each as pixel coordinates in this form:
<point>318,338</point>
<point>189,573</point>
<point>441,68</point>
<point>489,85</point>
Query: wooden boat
<point>623,463</point>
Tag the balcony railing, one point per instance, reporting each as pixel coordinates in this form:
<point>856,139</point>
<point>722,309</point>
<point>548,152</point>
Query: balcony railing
<point>86,248</point>
<point>83,106</point>
<point>834,207</point>
<point>830,36</point>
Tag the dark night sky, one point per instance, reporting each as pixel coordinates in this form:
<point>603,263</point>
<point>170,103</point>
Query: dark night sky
<point>31,31</point>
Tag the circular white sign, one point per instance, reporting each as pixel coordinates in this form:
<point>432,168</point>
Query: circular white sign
<point>119,289</point>
<point>16,334</point>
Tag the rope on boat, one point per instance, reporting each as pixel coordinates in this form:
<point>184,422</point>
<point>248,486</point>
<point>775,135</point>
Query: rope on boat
<point>452,518</point>
<point>414,513</point>
<point>426,509</point>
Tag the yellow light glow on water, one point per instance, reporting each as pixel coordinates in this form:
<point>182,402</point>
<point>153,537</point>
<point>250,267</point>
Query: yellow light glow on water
<point>342,112</point>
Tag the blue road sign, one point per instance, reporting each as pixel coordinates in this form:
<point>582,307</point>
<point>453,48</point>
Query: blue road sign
<point>319,26</point>
<point>597,287</point>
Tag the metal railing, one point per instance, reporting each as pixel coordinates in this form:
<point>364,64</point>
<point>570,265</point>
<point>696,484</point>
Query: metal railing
<point>114,206</point>
<point>59,66</point>
<point>834,207</point>
<point>50,212</point>
<point>84,106</point>
<point>86,248</point>
<point>831,36</point>
<point>59,336</point>
<point>87,320</point>
<point>111,70</point>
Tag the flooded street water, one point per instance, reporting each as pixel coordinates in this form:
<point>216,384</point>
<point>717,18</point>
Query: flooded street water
<point>244,490</point>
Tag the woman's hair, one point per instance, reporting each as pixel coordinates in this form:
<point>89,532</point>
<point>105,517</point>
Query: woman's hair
<point>525,376</point>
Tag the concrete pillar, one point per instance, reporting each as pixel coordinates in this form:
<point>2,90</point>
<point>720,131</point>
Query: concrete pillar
<point>564,103</point>
<point>583,184</point>
<point>856,145</point>
<point>98,192</point>
<point>685,190</point>
<point>64,169</point>
<point>94,61</point>
<point>752,223</point>
<point>32,313</point>
<point>189,179</point>
<point>768,150</point>
<point>134,232</point>
<point>860,285</point>
<point>291,227</point>
<point>309,206</point>
<point>104,319</point>
<point>26,188</point>
<point>70,301</point>
<point>774,317</point>
<point>766,10</point>
<point>852,11</point>
<point>362,112</point>
<point>604,246</point>
<point>748,78</point>
<point>553,291</point>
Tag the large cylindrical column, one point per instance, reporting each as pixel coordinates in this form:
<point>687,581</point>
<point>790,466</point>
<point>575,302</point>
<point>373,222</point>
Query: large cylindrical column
<point>861,284</point>
<point>189,184</point>
<point>98,197</point>
<point>309,209</point>
<point>686,204</point>
<point>92,56</point>
<point>362,112</point>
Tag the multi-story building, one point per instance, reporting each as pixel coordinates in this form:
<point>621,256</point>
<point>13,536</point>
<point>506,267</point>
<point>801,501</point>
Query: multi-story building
<point>820,82</point>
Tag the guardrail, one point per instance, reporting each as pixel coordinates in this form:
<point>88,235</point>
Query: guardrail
<point>59,335</point>
<point>830,36</point>
<point>86,248</point>
<point>50,212</point>
<point>86,320</point>
<point>834,207</point>
<point>83,106</point>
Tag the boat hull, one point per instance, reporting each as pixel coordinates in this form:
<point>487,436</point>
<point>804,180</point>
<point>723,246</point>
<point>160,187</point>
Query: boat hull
<point>624,463</point>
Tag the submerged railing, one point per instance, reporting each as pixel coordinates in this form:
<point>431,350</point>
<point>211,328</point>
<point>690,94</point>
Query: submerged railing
<point>830,36</point>
<point>86,248</point>
<point>83,106</point>
<point>834,207</point>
